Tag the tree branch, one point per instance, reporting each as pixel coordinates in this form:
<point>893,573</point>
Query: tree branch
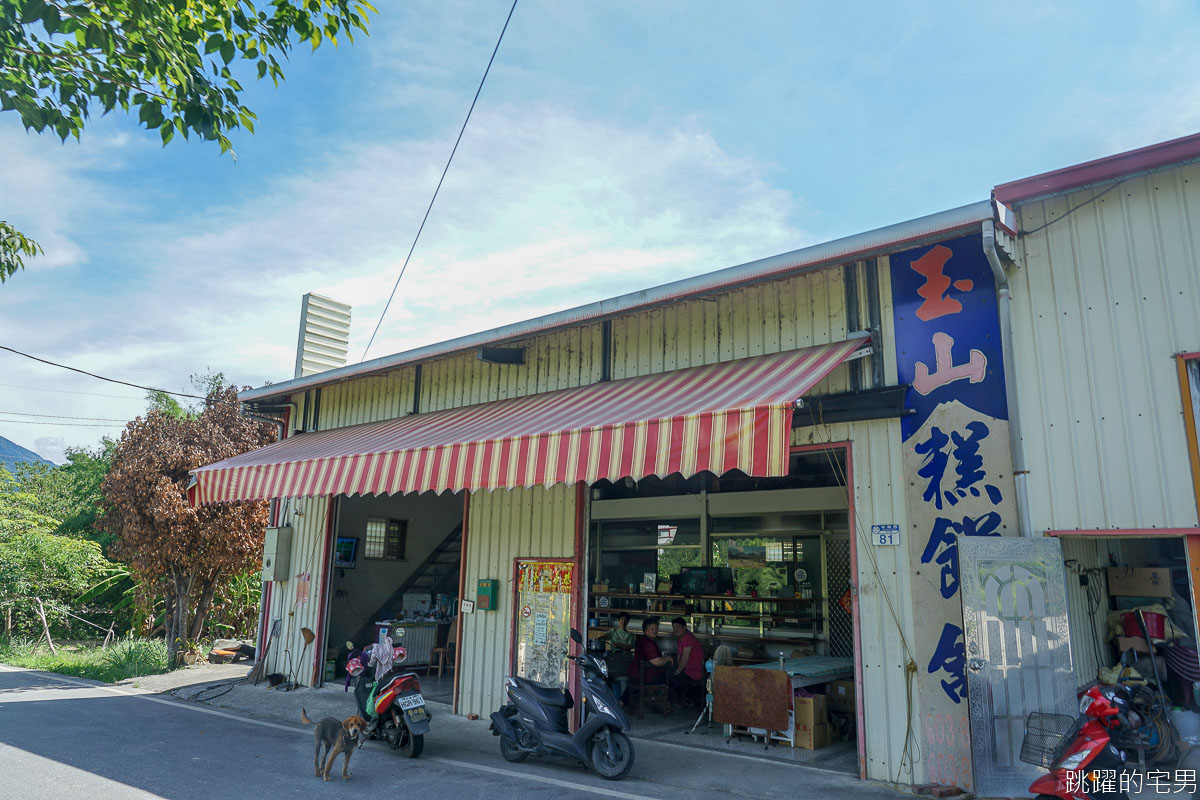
<point>97,75</point>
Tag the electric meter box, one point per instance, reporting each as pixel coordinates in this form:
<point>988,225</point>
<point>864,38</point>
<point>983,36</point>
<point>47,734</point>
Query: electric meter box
<point>277,554</point>
<point>487,593</point>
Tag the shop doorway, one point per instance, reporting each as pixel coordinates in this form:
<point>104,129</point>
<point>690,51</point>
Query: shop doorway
<point>395,571</point>
<point>759,571</point>
<point>1110,577</point>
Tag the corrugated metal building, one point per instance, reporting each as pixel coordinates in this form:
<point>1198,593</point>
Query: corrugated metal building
<point>1104,293</point>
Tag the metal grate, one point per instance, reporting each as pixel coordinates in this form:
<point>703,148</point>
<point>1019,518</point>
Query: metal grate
<point>841,625</point>
<point>1046,735</point>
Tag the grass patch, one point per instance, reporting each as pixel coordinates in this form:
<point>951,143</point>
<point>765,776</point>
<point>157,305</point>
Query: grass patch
<point>126,658</point>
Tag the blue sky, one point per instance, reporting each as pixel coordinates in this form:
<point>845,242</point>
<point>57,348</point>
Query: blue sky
<point>616,145</point>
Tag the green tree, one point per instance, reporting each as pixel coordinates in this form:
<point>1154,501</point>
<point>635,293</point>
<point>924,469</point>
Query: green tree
<point>175,62</point>
<point>22,511</point>
<point>39,566</point>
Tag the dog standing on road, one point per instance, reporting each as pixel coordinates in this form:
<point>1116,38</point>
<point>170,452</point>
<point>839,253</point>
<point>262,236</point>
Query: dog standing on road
<point>335,737</point>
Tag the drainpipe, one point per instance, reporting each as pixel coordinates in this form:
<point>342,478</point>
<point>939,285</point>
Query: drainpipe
<point>278,423</point>
<point>1004,309</point>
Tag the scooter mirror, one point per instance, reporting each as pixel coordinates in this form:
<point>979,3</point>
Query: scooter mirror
<point>575,637</point>
<point>1128,658</point>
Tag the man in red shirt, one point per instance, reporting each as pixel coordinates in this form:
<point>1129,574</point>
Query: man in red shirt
<point>646,651</point>
<point>689,663</point>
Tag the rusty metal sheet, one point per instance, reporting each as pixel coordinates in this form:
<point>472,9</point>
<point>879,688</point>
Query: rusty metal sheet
<point>755,698</point>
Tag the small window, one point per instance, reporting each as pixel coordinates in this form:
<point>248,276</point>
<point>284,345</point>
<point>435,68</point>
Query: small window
<point>385,538</point>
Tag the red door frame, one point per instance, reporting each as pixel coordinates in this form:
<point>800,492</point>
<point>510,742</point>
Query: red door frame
<point>456,667</point>
<point>851,523</point>
<point>318,675</point>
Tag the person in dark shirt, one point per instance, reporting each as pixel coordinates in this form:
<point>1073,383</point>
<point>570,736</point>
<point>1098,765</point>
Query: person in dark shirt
<point>647,652</point>
<point>688,677</point>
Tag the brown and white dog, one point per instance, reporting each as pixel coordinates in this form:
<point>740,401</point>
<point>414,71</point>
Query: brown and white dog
<point>335,737</point>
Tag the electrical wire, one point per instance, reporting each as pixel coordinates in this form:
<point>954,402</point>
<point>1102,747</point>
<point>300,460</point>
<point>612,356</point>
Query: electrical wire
<point>63,424</point>
<point>103,378</point>
<point>1073,209</point>
<point>69,391</point>
<point>439,183</point>
<point>60,416</point>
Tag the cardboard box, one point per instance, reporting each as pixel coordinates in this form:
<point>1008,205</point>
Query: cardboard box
<point>840,695</point>
<point>814,738</point>
<point>810,712</point>
<point>1132,643</point>
<point>1139,581</point>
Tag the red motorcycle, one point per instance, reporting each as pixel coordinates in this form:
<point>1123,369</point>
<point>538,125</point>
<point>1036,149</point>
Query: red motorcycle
<point>1087,755</point>
<point>400,717</point>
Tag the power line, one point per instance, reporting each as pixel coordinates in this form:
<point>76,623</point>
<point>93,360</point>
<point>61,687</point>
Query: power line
<point>59,416</point>
<point>101,377</point>
<point>60,424</point>
<point>439,183</point>
<point>69,391</point>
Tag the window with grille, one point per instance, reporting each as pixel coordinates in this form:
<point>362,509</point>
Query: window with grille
<point>385,538</point>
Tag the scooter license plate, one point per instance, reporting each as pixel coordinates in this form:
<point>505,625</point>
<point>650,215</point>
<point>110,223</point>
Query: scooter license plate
<point>412,701</point>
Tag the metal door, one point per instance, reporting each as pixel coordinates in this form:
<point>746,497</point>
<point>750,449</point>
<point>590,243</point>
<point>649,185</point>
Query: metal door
<point>1018,651</point>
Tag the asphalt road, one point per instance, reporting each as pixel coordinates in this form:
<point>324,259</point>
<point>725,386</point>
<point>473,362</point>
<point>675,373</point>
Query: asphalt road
<point>63,737</point>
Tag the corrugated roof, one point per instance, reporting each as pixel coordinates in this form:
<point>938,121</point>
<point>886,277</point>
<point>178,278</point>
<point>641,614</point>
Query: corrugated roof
<point>839,251</point>
<point>1155,156</point>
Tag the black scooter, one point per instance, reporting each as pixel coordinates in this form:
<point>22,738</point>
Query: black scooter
<point>535,721</point>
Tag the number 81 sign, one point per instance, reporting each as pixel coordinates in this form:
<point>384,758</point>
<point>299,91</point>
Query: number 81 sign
<point>885,535</point>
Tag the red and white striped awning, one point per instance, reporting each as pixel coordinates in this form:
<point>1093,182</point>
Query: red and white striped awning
<point>720,417</point>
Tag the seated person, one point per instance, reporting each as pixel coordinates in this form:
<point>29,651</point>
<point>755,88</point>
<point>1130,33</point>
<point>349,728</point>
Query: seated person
<point>621,642</point>
<point>647,651</point>
<point>689,666</point>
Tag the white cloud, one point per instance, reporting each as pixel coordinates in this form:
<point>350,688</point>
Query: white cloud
<point>51,447</point>
<point>542,210</point>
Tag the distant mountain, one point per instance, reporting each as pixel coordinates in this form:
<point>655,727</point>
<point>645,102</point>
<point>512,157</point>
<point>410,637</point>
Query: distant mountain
<point>12,454</point>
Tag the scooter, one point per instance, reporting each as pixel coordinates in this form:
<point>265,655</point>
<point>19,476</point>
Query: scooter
<point>1088,756</point>
<point>403,719</point>
<point>534,721</point>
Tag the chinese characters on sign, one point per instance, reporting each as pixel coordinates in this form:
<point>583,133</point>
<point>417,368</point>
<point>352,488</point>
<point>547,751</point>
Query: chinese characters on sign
<point>956,457</point>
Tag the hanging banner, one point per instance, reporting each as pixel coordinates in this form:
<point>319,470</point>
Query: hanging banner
<point>958,468</point>
<point>545,606</point>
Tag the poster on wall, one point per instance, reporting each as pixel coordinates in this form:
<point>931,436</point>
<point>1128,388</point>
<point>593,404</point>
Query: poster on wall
<point>545,607</point>
<point>957,464</point>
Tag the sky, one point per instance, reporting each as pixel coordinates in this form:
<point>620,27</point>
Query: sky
<point>616,146</point>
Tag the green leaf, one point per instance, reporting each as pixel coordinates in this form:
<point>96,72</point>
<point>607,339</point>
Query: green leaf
<point>262,69</point>
<point>227,51</point>
<point>33,10</point>
<point>213,43</point>
<point>51,20</point>
<point>168,132</point>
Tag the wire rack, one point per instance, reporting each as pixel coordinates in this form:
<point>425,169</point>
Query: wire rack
<point>1045,737</point>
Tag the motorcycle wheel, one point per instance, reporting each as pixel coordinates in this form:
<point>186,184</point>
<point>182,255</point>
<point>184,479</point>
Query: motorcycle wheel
<point>412,745</point>
<point>510,751</point>
<point>615,764</point>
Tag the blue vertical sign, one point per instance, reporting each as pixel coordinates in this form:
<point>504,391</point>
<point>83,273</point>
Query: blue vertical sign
<point>957,462</point>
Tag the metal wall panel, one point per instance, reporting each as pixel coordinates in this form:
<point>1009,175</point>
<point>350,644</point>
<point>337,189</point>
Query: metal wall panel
<point>796,312</point>
<point>1086,628</point>
<point>757,320</point>
<point>884,590</point>
<point>1105,295</point>
<point>503,525</point>
<point>308,518</point>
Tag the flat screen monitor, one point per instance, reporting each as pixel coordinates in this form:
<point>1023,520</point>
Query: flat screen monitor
<point>705,580</point>
<point>346,552</point>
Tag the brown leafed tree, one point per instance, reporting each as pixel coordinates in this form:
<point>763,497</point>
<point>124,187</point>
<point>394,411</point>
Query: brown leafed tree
<point>173,550</point>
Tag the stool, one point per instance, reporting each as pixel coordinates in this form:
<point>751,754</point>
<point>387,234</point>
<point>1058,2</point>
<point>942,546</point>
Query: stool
<point>442,654</point>
<point>438,654</point>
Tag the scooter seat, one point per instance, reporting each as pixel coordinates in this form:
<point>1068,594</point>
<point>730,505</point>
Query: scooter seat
<point>546,694</point>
